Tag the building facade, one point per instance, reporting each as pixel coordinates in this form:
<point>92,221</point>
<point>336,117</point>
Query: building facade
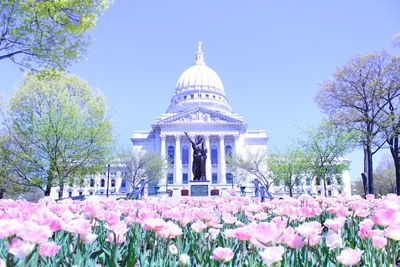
<point>199,106</point>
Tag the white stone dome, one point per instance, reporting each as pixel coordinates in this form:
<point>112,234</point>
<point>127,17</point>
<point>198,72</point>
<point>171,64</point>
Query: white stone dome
<point>199,85</point>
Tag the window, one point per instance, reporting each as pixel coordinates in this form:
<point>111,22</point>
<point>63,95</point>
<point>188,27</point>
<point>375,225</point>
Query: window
<point>319,192</point>
<point>185,178</point>
<point>214,178</point>
<point>229,178</point>
<point>92,182</point>
<point>123,183</point>
<point>329,193</point>
<point>112,182</point>
<point>308,181</point>
<point>192,96</point>
<point>228,151</point>
<point>297,181</point>
<point>102,182</point>
<point>91,193</point>
<point>80,193</point>
<point>69,193</point>
<point>329,181</point>
<point>185,156</point>
<point>207,96</point>
<point>214,156</point>
<point>171,154</point>
<point>170,178</point>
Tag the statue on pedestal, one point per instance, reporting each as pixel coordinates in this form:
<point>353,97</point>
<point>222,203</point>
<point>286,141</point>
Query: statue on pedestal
<point>199,158</point>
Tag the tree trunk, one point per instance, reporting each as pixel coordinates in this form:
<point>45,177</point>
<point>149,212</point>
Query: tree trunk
<point>2,191</point>
<point>394,150</point>
<point>50,179</point>
<point>61,191</point>
<point>48,189</point>
<point>324,186</point>
<point>290,190</point>
<point>368,168</point>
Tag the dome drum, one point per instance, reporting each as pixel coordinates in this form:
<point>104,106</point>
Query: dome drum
<point>199,85</point>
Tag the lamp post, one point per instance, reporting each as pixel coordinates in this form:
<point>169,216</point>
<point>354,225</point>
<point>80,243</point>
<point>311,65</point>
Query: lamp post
<point>108,178</point>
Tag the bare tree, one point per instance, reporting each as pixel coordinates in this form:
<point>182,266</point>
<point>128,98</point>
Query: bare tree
<point>140,165</point>
<point>354,99</point>
<point>250,165</point>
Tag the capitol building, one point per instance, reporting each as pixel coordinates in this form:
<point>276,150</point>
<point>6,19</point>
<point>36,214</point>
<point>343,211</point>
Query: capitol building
<point>199,106</point>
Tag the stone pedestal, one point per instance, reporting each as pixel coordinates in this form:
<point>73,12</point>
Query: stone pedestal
<point>199,188</point>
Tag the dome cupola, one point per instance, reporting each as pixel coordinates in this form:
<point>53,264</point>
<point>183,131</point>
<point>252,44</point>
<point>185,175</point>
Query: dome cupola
<point>199,85</point>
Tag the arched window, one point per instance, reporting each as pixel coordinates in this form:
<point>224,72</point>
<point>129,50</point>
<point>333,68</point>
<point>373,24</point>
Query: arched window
<point>69,193</point>
<point>228,152</point>
<point>112,182</point>
<point>171,154</point>
<point>214,156</point>
<point>102,183</point>
<point>123,183</point>
<point>92,182</point>
<point>185,156</point>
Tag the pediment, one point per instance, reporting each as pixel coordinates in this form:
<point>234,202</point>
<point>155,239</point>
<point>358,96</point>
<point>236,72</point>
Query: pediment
<point>200,115</point>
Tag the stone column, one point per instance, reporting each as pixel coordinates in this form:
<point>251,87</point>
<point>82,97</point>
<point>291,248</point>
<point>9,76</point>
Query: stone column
<point>221,160</point>
<point>178,160</point>
<point>208,161</point>
<point>162,149</point>
<point>236,143</point>
<point>163,180</point>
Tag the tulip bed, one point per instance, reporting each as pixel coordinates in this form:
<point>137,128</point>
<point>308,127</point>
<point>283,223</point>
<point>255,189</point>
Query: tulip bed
<point>223,231</point>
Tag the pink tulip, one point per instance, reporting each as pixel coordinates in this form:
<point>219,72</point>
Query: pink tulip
<point>9,227</point>
<point>198,226</point>
<point>309,229</point>
<point>48,249</point>
<point>335,224</point>
<point>170,230</point>
<point>393,232</point>
<point>222,254</point>
<point>243,233</point>
<point>153,224</point>
<point>312,241</point>
<point>34,233</point>
<point>19,248</point>
<point>349,256</point>
<point>379,241</point>
<point>267,232</point>
<point>383,217</point>
<point>270,255</point>
<point>333,240</point>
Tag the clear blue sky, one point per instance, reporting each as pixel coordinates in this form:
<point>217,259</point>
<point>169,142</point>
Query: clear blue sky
<point>270,55</point>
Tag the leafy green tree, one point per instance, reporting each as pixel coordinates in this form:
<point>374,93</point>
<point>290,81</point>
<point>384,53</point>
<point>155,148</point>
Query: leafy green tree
<point>139,165</point>
<point>249,165</point>
<point>325,148</point>
<point>286,166</point>
<point>353,99</point>
<point>56,130</point>
<point>46,33</point>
